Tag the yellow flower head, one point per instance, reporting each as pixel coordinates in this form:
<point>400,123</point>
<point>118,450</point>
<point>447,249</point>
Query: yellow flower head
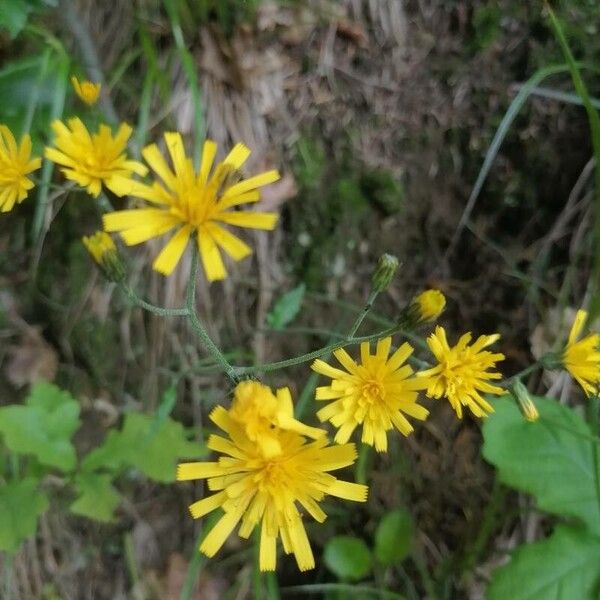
<point>582,358</point>
<point>462,372</point>
<point>251,487</point>
<point>374,394</point>
<point>92,160</point>
<point>259,412</point>
<point>15,164</point>
<point>86,90</point>
<point>103,250</point>
<point>429,305</point>
<point>193,202</point>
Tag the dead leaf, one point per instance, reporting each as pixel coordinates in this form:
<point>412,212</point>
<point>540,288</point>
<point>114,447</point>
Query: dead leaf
<point>32,360</point>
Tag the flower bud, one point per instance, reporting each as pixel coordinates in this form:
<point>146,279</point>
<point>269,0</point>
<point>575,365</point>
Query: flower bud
<point>387,265</point>
<point>423,308</point>
<point>87,91</point>
<point>521,394</point>
<point>104,252</point>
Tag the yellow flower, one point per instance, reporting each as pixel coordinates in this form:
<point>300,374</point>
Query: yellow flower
<point>258,411</point>
<point>429,305</point>
<point>373,394</point>
<point>251,486</point>
<point>195,203</point>
<point>103,250</point>
<point>462,372</point>
<point>15,164</point>
<point>86,90</point>
<point>582,358</point>
<point>93,160</point>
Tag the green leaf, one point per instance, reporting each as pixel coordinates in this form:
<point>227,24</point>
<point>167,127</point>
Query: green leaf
<point>13,15</point>
<point>286,308</point>
<point>563,567</point>
<point>97,498</point>
<point>21,503</point>
<point>349,558</point>
<point>393,537</point>
<point>153,449</point>
<point>43,427</point>
<point>555,458</point>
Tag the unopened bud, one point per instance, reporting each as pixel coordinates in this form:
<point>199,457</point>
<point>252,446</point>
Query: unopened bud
<point>429,305</point>
<point>104,252</point>
<point>387,265</point>
<point>423,308</point>
<point>521,393</point>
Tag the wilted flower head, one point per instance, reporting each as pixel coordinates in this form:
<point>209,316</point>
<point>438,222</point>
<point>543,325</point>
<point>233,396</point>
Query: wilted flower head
<point>193,202</point>
<point>15,164</point>
<point>93,160</point>
<point>87,91</point>
<point>582,358</point>
<point>376,394</point>
<point>268,484</point>
<point>463,372</point>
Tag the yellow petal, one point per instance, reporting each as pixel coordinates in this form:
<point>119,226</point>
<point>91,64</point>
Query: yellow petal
<point>230,243</point>
<point>268,549</point>
<point>198,470</point>
<point>206,505</point>
<point>211,257</point>
<point>252,220</point>
<point>170,255</point>
<point>237,156</point>
<point>251,183</point>
<point>209,151</point>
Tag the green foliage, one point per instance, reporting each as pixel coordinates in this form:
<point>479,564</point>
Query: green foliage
<point>286,308</point>
<point>337,194</point>
<point>21,503</point>
<point>24,81</point>
<point>349,558</point>
<point>15,13</point>
<point>486,23</point>
<point>393,537</point>
<point>43,426</point>
<point>556,460</point>
<point>563,567</point>
<point>97,498</point>
<point>153,450</point>
<point>534,456</point>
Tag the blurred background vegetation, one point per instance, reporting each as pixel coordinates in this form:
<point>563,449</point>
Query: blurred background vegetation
<point>379,114</point>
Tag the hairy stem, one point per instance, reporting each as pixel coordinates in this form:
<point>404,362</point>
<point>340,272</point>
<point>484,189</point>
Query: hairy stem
<point>199,329</point>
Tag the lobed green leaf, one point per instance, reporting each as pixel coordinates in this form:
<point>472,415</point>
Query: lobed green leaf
<point>555,458</point>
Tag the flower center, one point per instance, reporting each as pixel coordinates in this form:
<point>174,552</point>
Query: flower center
<point>372,392</point>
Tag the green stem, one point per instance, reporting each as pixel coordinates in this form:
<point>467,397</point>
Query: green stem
<point>199,329</point>
<point>282,364</point>
<point>157,310</point>
<point>361,317</point>
<point>272,586</point>
<point>364,453</point>
<point>594,124</point>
